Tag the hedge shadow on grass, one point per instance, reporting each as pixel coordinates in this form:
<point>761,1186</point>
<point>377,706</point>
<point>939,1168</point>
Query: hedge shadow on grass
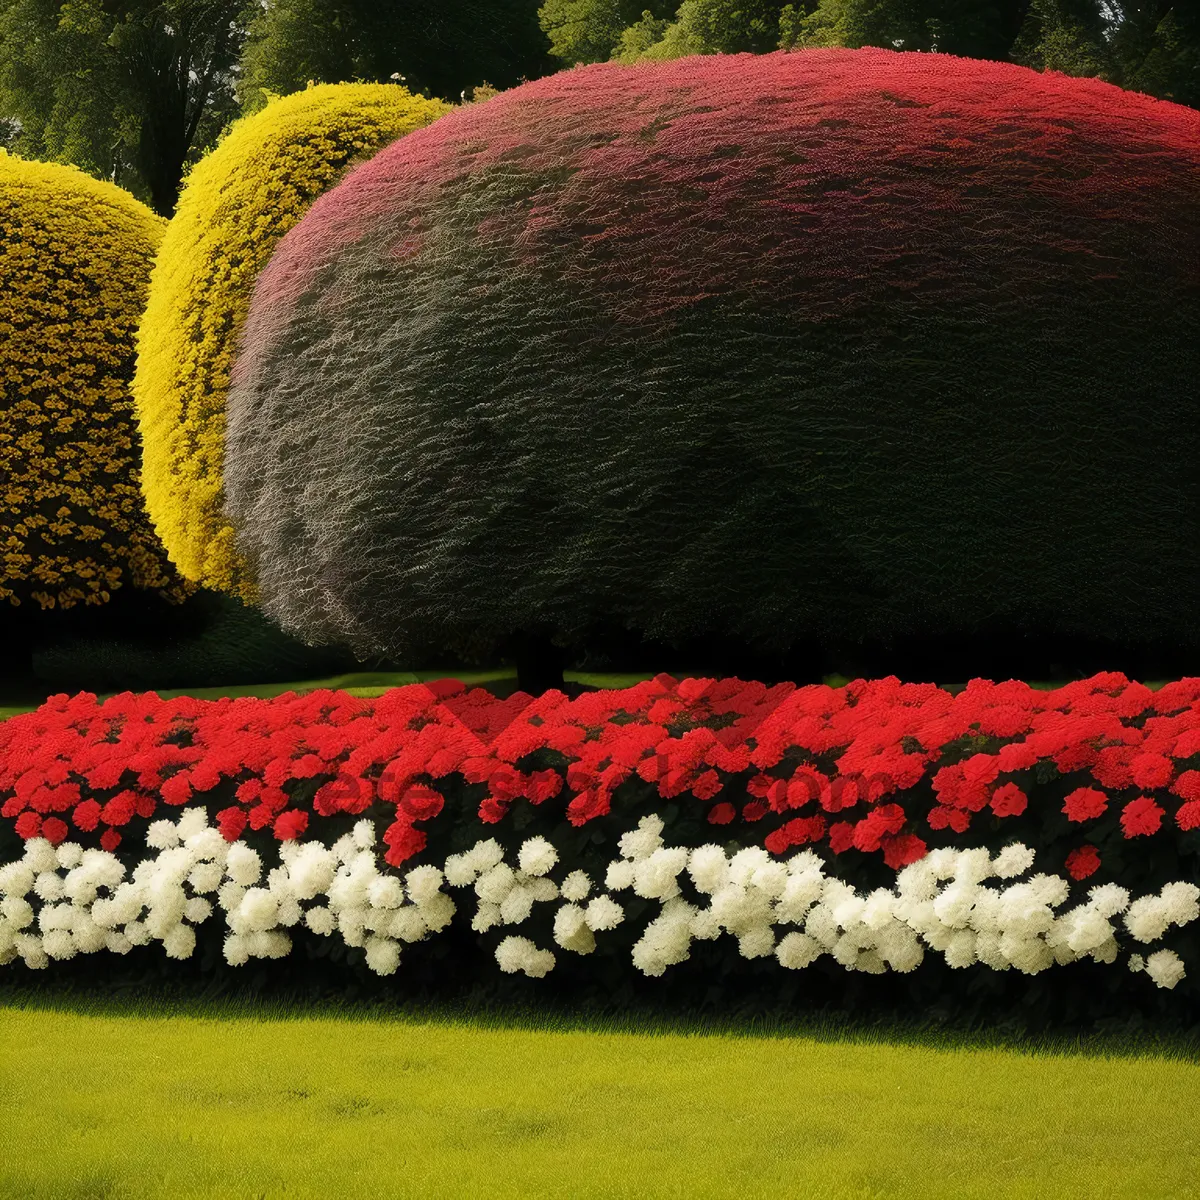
<point>1084,1007</point>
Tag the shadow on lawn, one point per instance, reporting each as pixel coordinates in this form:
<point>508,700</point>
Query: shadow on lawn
<point>482,1007</point>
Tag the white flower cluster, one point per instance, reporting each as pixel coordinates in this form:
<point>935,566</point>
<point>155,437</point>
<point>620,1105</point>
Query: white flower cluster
<point>507,896</point>
<point>941,902</point>
<point>197,870</point>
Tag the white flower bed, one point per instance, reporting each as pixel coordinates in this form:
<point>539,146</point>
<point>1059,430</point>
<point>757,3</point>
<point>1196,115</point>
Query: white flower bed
<point>52,907</point>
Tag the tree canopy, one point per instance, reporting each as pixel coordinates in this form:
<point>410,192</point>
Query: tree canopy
<point>129,90</point>
<point>439,47</point>
<point>134,91</point>
<point>1152,46</point>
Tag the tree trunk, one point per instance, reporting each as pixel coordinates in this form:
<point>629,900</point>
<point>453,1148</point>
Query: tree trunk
<point>539,664</point>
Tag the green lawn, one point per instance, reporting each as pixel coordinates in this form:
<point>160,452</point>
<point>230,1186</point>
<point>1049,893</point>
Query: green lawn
<point>259,1103</point>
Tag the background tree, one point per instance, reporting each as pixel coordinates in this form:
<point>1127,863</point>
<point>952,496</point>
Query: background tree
<point>969,28</point>
<point>704,27</point>
<point>1155,48</point>
<point>588,31</point>
<point>128,90</point>
<point>1152,46</point>
<point>1067,36</point>
<point>439,47</point>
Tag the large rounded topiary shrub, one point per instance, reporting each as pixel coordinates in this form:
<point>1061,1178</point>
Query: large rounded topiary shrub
<point>75,258</point>
<point>827,344</point>
<point>235,206</point>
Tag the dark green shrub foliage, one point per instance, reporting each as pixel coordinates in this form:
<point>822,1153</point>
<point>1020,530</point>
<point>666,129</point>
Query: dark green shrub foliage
<point>832,344</point>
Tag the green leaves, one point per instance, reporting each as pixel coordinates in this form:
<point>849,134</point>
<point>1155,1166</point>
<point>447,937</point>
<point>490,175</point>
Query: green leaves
<point>129,92</point>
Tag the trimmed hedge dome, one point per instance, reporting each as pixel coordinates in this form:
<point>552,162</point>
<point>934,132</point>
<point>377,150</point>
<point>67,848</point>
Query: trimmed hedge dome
<point>235,206</point>
<point>75,258</point>
<point>833,343</point>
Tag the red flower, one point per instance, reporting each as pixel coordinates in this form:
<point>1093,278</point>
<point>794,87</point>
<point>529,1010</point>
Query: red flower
<point>506,784</point>
<point>422,803</point>
<point>593,802</point>
<point>261,816</point>
<point>1141,817</point>
<point>841,836</point>
<point>980,769</point>
<point>1111,768</point>
<point>1187,785</point>
<point>403,841</point>
<point>902,849</point>
<point>291,824</point>
<point>1084,803</point>
<point>250,790</point>
<point>706,785</point>
<point>274,799</point>
<point>177,789</point>
<point>120,809</point>
<point>29,825</point>
<point>110,839</point>
<point>1083,862</point>
<point>944,816</point>
<point>231,822</point>
<point>106,774</point>
<point>1075,757</point>
<point>882,821</point>
<point>806,785</point>
<point>721,814</point>
<point>755,810</point>
<point>1151,770</point>
<point>54,830</point>
<point>543,785</point>
<point>306,766</point>
<point>329,797</point>
<point>87,815</point>
<point>841,793</point>
<point>492,811</point>
<point>796,832</point>
<point>1188,816</point>
<point>1009,801</point>
<point>1016,756</point>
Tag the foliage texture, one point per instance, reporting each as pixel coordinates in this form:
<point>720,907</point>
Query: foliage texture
<point>238,203</point>
<point>440,49</point>
<point>1150,46</point>
<point>75,258</point>
<point>128,90</point>
<point>827,343</point>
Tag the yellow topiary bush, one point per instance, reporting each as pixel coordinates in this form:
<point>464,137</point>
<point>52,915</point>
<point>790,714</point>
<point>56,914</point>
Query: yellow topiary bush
<point>236,204</point>
<point>75,259</point>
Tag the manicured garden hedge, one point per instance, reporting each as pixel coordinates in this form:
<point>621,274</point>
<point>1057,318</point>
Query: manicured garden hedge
<point>75,257</point>
<point>236,205</point>
<point>841,344</point>
<point>858,826</point>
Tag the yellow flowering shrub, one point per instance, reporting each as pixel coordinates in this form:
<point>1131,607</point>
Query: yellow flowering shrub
<point>236,204</point>
<point>75,259</point>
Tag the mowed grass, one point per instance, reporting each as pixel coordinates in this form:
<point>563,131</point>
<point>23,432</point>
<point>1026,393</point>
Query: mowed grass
<point>112,1103</point>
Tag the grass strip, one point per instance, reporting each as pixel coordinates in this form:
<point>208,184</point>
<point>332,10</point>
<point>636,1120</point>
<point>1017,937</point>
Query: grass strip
<point>370,684</point>
<point>228,1100</point>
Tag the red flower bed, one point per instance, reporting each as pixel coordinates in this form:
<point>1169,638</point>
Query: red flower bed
<point>872,766</point>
